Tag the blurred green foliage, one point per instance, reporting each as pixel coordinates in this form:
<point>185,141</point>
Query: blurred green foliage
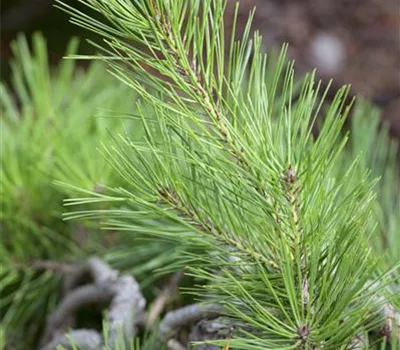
<point>53,120</point>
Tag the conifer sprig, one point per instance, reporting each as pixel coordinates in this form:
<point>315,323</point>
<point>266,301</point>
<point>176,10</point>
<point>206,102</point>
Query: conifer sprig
<point>229,160</point>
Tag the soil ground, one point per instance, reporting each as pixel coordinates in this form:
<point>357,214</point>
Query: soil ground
<point>354,42</point>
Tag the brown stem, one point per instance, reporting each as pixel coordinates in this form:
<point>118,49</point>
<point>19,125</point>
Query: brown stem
<point>173,344</point>
<point>50,265</point>
<point>163,298</point>
<point>207,226</point>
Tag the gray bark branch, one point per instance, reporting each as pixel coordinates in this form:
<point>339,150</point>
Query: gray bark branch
<point>174,320</point>
<point>123,293</point>
<point>82,339</point>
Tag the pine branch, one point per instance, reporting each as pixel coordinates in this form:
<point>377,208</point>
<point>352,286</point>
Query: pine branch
<point>206,226</point>
<point>230,157</point>
<point>181,61</point>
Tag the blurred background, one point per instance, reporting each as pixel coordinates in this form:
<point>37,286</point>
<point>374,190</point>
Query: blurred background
<point>352,41</point>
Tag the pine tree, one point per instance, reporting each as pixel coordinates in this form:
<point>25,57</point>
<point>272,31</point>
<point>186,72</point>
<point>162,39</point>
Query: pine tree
<point>219,173</point>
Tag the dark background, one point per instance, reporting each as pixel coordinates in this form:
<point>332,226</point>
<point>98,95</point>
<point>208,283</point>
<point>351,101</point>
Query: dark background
<point>353,41</point>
